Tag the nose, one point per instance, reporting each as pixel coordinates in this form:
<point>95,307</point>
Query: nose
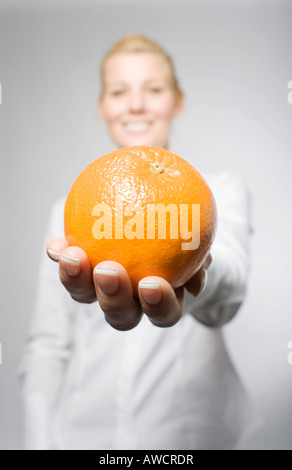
<point>136,102</point>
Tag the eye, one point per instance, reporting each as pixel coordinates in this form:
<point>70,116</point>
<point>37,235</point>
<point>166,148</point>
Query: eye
<point>117,92</point>
<point>155,90</point>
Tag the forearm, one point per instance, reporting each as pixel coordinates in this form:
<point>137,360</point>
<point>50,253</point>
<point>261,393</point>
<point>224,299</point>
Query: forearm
<point>224,292</point>
<point>228,272</point>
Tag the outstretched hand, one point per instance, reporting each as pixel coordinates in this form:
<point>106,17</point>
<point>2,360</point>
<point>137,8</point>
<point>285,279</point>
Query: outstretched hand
<point>110,284</point>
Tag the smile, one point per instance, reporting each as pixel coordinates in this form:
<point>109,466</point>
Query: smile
<point>137,126</point>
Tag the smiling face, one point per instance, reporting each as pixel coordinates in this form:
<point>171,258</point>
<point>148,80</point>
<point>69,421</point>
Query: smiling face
<point>139,101</point>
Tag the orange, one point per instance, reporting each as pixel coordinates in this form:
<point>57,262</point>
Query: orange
<point>146,208</point>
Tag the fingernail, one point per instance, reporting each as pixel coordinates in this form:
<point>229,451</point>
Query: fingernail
<point>204,281</point>
<point>70,265</point>
<point>151,292</point>
<point>54,255</point>
<point>107,279</point>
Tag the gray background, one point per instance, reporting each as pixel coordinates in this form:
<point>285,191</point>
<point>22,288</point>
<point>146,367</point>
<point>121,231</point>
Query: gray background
<point>234,64</point>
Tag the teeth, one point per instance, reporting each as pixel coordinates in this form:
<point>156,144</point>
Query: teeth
<point>137,126</point>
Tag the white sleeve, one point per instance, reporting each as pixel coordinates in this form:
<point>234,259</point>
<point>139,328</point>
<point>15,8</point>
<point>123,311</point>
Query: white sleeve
<point>228,272</point>
<point>47,349</point>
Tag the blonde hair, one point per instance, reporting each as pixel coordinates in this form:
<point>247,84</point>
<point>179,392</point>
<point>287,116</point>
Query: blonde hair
<point>137,43</point>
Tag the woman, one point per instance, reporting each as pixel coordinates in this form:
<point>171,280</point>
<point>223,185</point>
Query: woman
<point>167,383</point>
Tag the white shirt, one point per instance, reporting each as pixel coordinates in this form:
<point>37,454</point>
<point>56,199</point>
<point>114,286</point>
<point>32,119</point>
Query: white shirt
<point>85,385</point>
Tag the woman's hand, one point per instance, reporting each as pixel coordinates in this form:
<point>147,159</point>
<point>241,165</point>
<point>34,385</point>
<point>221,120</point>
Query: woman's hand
<point>110,284</point>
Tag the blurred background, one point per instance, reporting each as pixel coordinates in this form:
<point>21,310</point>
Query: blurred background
<point>234,63</point>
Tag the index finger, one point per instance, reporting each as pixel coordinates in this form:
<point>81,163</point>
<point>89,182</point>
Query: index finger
<point>55,247</point>
<point>74,270</point>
